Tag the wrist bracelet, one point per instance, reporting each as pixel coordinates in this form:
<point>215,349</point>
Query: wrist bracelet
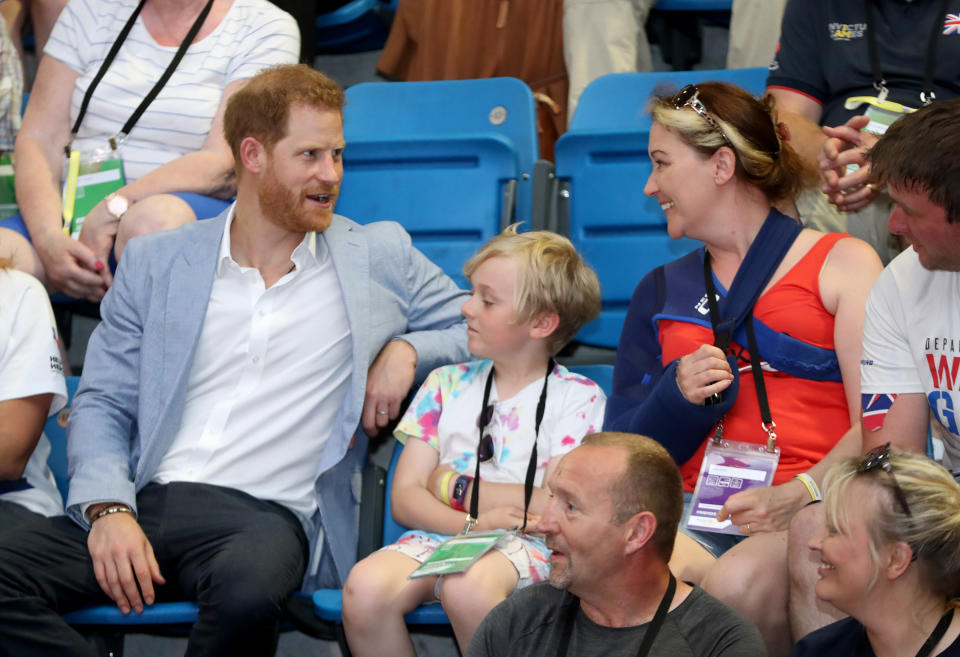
<point>445,487</point>
<point>110,510</point>
<point>811,486</point>
<point>460,492</point>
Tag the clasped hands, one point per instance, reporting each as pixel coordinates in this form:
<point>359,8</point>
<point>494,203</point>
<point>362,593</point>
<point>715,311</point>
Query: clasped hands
<point>78,268</point>
<point>846,145</point>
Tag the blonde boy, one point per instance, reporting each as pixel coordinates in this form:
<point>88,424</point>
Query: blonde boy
<point>531,293</point>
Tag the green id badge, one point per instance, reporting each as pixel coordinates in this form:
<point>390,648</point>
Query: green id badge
<point>95,180</point>
<point>457,554</point>
<point>8,195</point>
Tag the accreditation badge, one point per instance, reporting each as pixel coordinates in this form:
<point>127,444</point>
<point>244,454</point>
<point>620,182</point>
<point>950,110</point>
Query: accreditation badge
<point>728,467</point>
<point>8,195</point>
<point>882,113</point>
<point>89,176</point>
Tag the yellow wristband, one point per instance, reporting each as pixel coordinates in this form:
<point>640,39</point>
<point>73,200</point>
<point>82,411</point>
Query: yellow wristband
<point>445,487</point>
<point>810,485</point>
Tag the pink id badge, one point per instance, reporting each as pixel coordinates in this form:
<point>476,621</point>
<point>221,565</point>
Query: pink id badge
<point>728,467</point>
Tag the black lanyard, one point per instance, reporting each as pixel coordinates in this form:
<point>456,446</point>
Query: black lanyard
<point>652,629</point>
<point>723,342</point>
<point>880,84</point>
<point>531,465</point>
<point>866,649</point>
<point>112,54</point>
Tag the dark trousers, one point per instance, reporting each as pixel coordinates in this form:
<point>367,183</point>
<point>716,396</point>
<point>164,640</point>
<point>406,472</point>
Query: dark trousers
<point>13,515</point>
<point>236,556</point>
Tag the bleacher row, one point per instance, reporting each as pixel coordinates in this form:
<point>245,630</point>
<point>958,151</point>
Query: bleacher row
<point>456,161</point>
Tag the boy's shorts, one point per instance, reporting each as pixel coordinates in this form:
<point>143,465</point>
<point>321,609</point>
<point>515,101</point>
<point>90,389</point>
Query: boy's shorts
<point>528,554</point>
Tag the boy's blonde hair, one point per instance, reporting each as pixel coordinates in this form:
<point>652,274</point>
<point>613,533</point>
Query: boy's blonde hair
<point>551,278</point>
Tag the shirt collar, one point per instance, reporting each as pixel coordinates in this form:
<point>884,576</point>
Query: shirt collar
<point>311,252</point>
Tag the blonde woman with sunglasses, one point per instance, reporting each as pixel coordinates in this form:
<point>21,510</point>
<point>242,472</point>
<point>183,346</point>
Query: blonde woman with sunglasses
<point>889,557</point>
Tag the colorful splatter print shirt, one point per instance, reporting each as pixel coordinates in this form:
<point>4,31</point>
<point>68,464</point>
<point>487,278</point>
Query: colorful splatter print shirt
<point>447,407</point>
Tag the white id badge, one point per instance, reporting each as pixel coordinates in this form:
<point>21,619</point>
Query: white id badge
<point>729,467</point>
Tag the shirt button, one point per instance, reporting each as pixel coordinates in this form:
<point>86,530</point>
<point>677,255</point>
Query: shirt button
<point>256,359</point>
<point>260,313</point>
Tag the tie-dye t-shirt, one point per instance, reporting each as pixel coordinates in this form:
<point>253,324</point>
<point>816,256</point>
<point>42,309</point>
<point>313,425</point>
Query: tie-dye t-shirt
<point>447,407</point>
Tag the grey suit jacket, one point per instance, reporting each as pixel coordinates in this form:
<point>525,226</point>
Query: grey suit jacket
<point>130,401</point>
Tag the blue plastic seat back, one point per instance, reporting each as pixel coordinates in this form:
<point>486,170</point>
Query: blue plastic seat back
<point>441,158</point>
<point>56,432</point>
<point>353,27</point>
<point>602,375</point>
<point>603,160</point>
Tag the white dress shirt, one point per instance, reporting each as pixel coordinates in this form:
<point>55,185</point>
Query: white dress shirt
<point>271,370</point>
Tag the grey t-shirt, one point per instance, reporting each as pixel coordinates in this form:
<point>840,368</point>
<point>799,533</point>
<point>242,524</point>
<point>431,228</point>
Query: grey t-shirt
<point>529,623</point>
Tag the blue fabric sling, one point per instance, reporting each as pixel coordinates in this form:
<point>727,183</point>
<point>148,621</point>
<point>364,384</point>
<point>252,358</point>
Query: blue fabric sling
<point>683,281</point>
<point>654,405</point>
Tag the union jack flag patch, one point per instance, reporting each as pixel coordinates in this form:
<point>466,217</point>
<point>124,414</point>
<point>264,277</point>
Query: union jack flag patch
<point>875,409</point>
<point>952,24</point>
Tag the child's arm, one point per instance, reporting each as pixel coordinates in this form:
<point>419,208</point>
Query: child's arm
<point>494,495</point>
<point>416,507</point>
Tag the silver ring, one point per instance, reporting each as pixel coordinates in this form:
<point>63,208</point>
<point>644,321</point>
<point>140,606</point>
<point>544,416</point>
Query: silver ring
<point>748,527</point>
<point>870,187</point>
<point>381,412</point>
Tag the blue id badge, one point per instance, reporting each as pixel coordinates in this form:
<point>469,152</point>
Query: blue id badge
<point>728,467</point>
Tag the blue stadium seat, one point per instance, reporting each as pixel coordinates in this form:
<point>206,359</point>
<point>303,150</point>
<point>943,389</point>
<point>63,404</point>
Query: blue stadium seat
<point>355,27</point>
<point>451,161</point>
<point>601,169</point>
<point>602,375</point>
<point>56,432</point>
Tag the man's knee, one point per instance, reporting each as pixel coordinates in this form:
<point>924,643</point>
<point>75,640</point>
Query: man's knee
<point>244,582</point>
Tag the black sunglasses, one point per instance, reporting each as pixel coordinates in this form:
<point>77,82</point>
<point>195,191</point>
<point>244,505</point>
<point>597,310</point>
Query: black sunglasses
<point>879,457</point>
<point>485,448</point>
<point>689,97</point>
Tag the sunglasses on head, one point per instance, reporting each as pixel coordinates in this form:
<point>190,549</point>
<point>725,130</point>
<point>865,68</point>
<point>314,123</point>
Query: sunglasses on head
<point>879,457</point>
<point>689,97</point>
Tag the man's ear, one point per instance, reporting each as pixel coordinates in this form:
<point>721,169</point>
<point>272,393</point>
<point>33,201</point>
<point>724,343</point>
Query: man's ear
<point>725,165</point>
<point>253,155</point>
<point>544,325</point>
<point>639,531</point>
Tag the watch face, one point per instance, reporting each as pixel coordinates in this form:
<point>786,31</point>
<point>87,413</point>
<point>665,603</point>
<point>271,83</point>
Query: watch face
<point>117,206</point>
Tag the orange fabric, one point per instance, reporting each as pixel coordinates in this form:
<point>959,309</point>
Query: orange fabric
<point>811,416</point>
<point>463,39</point>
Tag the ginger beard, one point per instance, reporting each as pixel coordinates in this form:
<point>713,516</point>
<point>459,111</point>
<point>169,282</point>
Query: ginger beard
<point>297,210</point>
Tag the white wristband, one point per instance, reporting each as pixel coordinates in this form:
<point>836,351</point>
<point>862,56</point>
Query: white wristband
<point>811,486</point>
